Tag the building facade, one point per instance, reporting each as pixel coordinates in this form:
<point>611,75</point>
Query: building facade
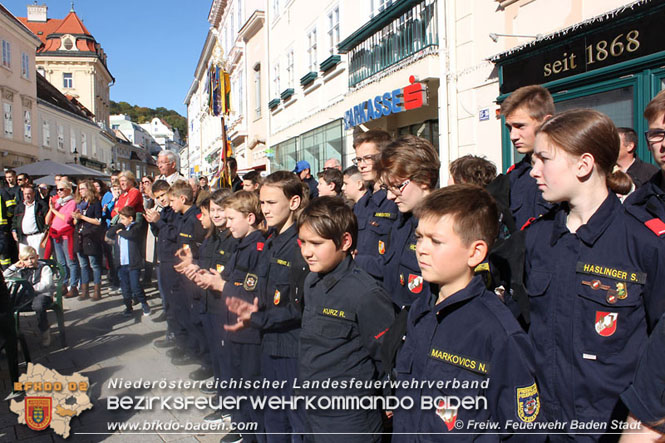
<point>18,93</point>
<point>72,60</point>
<point>164,135</point>
<point>346,68</point>
<point>66,134</point>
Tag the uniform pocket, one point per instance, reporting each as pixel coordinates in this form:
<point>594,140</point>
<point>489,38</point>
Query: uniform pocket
<point>331,328</point>
<point>607,313</point>
<point>537,283</point>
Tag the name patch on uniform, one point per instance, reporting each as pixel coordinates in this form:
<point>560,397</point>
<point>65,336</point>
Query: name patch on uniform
<point>470,364</point>
<point>528,403</point>
<point>389,215</point>
<point>613,273</point>
<point>250,282</point>
<point>182,234</point>
<point>338,313</point>
<point>221,252</point>
<point>279,261</point>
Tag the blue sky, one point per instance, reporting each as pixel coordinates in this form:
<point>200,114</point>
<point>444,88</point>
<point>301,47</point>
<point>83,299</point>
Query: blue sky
<point>152,45</point>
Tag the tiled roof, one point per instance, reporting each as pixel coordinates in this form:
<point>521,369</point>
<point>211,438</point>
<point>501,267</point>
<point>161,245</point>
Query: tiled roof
<point>71,24</point>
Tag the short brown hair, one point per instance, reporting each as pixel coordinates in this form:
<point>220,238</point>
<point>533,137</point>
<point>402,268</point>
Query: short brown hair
<point>655,107</point>
<point>181,187</point>
<point>379,137</point>
<point>246,202</point>
<point>473,170</point>
<point>534,98</point>
<point>128,211</point>
<point>160,185</point>
<point>290,185</point>
<point>471,207</point>
<point>330,218</point>
<point>333,176</point>
<point>410,157</point>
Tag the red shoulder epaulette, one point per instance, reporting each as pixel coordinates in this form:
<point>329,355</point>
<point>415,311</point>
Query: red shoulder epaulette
<point>299,243</point>
<point>656,225</point>
<point>259,246</point>
<point>198,216</point>
<point>528,222</point>
<point>510,169</point>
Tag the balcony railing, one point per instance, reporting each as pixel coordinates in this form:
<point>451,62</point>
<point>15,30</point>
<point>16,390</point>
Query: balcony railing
<point>407,27</point>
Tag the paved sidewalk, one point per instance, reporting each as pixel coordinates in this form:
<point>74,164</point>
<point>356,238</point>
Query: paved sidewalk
<point>103,344</point>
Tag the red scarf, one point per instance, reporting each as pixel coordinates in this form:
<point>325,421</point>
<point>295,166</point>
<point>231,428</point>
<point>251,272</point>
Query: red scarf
<point>57,237</point>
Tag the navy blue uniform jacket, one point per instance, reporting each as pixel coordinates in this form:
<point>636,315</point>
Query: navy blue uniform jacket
<point>594,295</point>
<point>470,337</point>
<point>526,200</point>
<point>242,281</point>
<point>280,310</point>
<point>345,318</point>
<point>376,216</point>
<point>402,278</point>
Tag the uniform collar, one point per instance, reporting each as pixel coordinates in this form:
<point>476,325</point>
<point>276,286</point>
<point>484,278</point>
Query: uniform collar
<point>250,239</point>
<point>277,240</point>
<point>405,218</point>
<point>330,279</point>
<point>365,199</point>
<point>474,289</point>
<point>188,212</point>
<point>594,228</point>
<point>523,166</point>
<point>379,196</point>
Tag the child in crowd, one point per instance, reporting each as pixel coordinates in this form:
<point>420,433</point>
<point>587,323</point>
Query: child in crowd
<point>410,168</point>
<point>129,235</point>
<point>456,228</point>
<point>37,291</point>
<point>240,279</point>
<point>354,187</point>
<point>252,181</point>
<point>330,182</point>
<point>471,169</point>
<point>375,212</point>
<point>346,314</point>
<point>278,311</point>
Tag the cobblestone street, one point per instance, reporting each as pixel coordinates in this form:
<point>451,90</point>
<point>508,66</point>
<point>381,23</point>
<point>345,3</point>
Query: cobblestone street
<point>103,344</point>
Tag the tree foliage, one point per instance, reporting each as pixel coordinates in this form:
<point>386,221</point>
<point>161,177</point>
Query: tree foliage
<point>141,114</point>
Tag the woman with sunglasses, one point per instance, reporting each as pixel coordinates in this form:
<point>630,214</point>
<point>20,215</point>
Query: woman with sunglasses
<point>61,233</point>
<point>410,170</point>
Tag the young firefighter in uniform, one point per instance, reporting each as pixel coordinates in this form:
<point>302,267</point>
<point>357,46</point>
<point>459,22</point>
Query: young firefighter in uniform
<point>462,331</point>
<point>345,317</point>
<point>524,111</point>
<point>376,214</point>
<point>240,279</point>
<point>163,220</point>
<point>410,171</point>
<point>647,203</point>
<point>215,253</point>
<point>277,313</point>
<point>594,276</point>
<point>188,268</point>
<point>190,236</point>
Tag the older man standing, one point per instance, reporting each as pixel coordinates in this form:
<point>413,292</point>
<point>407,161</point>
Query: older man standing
<point>28,225</point>
<point>167,163</point>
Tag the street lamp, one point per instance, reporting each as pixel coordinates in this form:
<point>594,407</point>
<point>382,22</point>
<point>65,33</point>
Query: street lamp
<point>495,36</point>
<point>76,153</point>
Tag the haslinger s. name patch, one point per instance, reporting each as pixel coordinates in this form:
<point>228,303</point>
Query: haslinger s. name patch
<point>470,364</point>
<point>613,273</point>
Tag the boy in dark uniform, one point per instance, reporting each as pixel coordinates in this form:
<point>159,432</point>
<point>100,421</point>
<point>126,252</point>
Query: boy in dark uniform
<point>163,220</point>
<point>240,279</point>
<point>376,214</point>
<point>190,236</point>
<point>462,331</point>
<point>346,315</point>
<point>525,110</point>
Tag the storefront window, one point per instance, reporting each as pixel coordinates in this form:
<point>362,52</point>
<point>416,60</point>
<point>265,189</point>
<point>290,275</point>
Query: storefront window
<point>618,104</point>
<point>428,130</point>
<point>315,146</point>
